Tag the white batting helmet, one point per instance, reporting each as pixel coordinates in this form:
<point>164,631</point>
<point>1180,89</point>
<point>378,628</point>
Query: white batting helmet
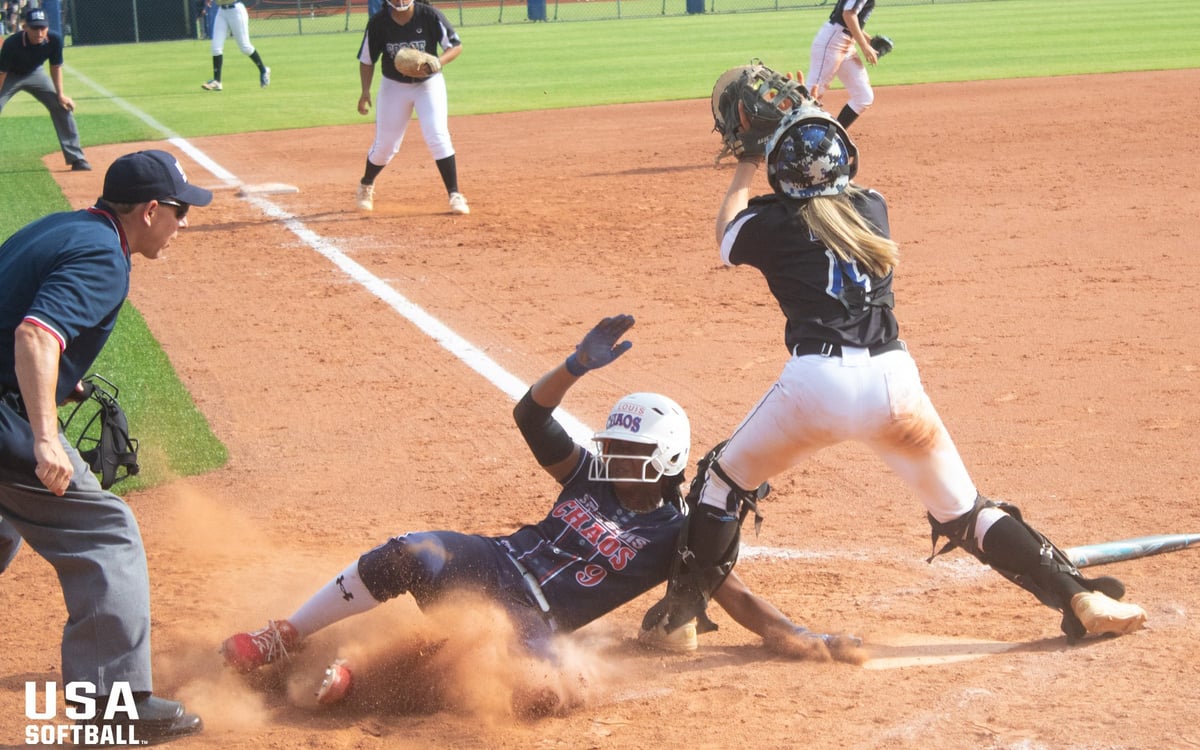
<point>649,419</point>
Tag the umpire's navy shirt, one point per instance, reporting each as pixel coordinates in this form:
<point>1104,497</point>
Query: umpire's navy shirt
<point>68,274</point>
<point>19,57</point>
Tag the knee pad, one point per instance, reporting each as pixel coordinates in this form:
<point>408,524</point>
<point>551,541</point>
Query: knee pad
<point>394,568</point>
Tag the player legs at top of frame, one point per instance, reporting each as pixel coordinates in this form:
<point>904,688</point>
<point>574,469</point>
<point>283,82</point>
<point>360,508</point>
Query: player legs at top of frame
<point>400,24</point>
<point>232,20</point>
<point>833,55</point>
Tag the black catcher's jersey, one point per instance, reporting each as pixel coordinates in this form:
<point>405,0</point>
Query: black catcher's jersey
<point>823,298</point>
<point>862,7</point>
<point>427,30</point>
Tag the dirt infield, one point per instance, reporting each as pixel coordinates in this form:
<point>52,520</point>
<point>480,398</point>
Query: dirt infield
<point>1048,290</point>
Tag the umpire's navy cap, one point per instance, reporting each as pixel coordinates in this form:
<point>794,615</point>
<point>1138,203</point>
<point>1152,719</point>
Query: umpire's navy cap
<point>151,176</point>
<point>36,18</point>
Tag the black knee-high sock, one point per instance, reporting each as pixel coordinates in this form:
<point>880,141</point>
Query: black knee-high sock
<point>847,117</point>
<point>1009,546</point>
<point>370,173</point>
<point>218,61</point>
<point>257,61</point>
<point>449,171</point>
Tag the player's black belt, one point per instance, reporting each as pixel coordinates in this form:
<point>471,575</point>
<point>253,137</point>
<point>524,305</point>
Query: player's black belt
<point>826,349</point>
<point>14,401</point>
<point>230,5</point>
<point>535,590</point>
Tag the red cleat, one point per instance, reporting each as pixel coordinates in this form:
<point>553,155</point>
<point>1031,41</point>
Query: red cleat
<point>246,652</point>
<point>336,684</point>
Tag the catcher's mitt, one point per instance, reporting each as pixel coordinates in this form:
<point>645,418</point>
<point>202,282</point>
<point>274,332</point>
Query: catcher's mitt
<point>748,102</point>
<point>414,63</point>
<point>882,45</point>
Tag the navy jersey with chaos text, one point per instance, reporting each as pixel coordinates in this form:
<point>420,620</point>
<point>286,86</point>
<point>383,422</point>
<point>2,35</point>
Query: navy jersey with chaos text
<point>427,30</point>
<point>808,280</point>
<point>590,555</point>
<point>861,7</point>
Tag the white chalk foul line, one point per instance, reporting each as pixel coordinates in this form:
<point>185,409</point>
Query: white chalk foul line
<point>464,350</point>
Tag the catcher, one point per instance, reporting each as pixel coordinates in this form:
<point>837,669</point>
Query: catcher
<point>823,245</point>
<point>611,536</point>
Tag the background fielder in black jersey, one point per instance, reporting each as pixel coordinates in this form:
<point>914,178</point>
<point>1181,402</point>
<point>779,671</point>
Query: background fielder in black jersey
<point>833,54</point>
<point>408,23</point>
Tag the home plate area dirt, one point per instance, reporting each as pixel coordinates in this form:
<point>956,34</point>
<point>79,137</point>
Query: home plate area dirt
<point>1048,289</point>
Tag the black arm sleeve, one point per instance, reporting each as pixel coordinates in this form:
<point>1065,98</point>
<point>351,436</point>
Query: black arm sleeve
<point>546,438</point>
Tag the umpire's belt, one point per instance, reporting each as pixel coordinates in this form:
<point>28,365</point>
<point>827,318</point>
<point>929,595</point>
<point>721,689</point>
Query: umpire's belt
<point>826,349</point>
<point>14,401</point>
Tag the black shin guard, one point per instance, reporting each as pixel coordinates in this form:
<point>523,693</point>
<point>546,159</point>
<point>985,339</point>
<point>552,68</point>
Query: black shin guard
<point>707,548</point>
<point>1023,555</point>
<point>704,560</point>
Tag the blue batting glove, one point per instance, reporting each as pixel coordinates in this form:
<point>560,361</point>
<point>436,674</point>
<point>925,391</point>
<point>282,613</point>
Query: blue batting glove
<point>599,347</point>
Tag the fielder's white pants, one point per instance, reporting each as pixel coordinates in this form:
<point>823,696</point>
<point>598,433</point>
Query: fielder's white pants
<point>394,108</point>
<point>233,22</point>
<point>879,401</point>
<point>833,54</point>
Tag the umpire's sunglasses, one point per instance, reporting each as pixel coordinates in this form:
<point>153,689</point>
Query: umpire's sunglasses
<point>181,209</point>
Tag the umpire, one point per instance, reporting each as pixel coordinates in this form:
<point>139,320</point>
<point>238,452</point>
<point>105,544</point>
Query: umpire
<point>63,278</point>
<point>22,58</point>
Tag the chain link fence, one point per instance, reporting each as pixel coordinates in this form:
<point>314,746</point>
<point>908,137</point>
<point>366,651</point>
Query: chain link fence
<point>123,21</point>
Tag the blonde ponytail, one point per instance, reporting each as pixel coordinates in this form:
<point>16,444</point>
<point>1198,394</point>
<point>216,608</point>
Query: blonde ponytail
<point>836,222</point>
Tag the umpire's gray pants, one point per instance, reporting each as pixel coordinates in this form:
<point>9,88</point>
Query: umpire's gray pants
<point>39,85</point>
<point>92,539</point>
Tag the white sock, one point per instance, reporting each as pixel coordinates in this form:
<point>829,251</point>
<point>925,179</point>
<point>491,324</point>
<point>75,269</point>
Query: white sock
<point>342,597</point>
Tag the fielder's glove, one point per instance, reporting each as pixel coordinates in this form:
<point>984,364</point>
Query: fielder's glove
<point>882,45</point>
<point>414,63</point>
<point>748,102</point>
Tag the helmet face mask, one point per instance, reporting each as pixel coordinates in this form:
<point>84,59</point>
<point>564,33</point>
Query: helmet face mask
<point>401,5</point>
<point>810,154</point>
<point>648,419</point>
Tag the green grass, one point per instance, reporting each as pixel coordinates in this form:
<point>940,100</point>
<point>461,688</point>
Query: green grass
<point>528,66</point>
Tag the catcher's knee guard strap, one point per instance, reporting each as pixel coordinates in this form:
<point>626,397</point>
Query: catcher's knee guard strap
<point>739,501</point>
<point>960,532</point>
